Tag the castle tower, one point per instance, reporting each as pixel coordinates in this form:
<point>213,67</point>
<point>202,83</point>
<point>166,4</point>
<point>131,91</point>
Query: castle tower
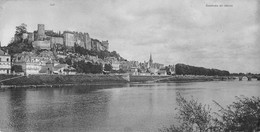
<point>40,32</point>
<point>87,41</point>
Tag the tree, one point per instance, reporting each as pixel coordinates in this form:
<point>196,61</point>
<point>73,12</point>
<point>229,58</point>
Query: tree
<point>192,115</point>
<point>17,45</point>
<point>21,29</point>
<point>182,69</point>
<point>68,61</point>
<point>108,67</point>
<point>62,61</point>
<point>17,68</point>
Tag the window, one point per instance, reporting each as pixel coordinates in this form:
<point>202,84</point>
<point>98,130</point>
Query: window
<point>0,59</point>
<point>7,59</point>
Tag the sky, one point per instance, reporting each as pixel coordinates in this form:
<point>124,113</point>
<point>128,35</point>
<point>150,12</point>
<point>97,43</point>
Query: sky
<point>174,31</point>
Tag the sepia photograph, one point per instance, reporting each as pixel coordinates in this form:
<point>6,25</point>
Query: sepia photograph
<point>129,66</point>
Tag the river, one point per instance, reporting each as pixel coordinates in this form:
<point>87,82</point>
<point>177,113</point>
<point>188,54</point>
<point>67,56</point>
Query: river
<point>110,108</point>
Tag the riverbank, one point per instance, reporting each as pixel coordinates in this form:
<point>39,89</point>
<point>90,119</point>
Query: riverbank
<point>177,78</point>
<point>43,80</point>
<point>60,79</point>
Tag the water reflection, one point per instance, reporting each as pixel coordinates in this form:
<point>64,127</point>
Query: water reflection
<point>17,111</point>
<point>125,107</point>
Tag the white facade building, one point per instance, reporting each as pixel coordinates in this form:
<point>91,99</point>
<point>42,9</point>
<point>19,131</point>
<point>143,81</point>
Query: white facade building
<point>5,63</point>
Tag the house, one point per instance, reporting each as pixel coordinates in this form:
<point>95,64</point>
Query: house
<point>64,69</point>
<point>134,71</point>
<point>5,63</point>
<point>162,72</point>
<point>113,62</point>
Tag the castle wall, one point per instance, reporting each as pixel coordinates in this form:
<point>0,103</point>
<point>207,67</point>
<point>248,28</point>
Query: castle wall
<point>87,41</point>
<point>57,40</point>
<point>25,36</point>
<point>42,44</point>
<point>30,37</point>
<point>105,45</point>
<point>94,44</point>
<point>69,39</point>
<point>79,39</point>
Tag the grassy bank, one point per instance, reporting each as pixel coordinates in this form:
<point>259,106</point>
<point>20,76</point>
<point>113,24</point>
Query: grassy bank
<point>43,79</point>
<point>61,79</point>
<point>169,78</point>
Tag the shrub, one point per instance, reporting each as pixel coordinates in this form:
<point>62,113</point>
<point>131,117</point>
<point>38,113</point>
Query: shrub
<point>242,115</point>
<point>192,116</point>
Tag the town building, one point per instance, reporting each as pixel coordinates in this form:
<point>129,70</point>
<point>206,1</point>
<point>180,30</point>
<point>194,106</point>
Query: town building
<point>32,64</point>
<point>153,65</point>
<point>5,63</point>
<point>64,69</point>
<point>162,72</point>
<point>113,62</point>
<point>134,71</point>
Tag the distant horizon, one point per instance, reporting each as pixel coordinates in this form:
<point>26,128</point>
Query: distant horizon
<point>174,31</point>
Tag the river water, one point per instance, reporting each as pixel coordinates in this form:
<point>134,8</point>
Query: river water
<point>110,108</point>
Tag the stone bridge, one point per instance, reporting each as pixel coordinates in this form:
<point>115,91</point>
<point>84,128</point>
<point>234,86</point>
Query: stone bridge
<point>249,77</point>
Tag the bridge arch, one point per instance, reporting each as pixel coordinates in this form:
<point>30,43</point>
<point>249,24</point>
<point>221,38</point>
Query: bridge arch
<point>249,78</point>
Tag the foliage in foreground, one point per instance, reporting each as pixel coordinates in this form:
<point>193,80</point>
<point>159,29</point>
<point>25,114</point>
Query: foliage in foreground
<point>242,115</point>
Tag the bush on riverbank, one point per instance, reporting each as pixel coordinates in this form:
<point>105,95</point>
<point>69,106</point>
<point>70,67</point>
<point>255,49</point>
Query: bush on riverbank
<point>242,115</point>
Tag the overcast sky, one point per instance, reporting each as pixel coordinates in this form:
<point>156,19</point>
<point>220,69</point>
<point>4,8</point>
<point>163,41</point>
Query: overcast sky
<point>174,31</point>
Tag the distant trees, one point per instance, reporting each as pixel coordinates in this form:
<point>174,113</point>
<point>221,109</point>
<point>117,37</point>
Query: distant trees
<point>53,34</point>
<point>182,69</point>
<point>83,67</point>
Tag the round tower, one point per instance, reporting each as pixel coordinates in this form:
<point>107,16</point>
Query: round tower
<point>41,32</point>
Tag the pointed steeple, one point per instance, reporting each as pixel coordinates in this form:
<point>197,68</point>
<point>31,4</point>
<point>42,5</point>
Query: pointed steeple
<point>151,59</point>
<point>150,62</point>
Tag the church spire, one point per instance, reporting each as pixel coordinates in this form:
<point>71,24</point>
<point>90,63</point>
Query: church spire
<point>151,59</point>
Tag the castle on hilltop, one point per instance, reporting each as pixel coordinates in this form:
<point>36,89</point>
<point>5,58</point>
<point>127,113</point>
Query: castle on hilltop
<point>47,39</point>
